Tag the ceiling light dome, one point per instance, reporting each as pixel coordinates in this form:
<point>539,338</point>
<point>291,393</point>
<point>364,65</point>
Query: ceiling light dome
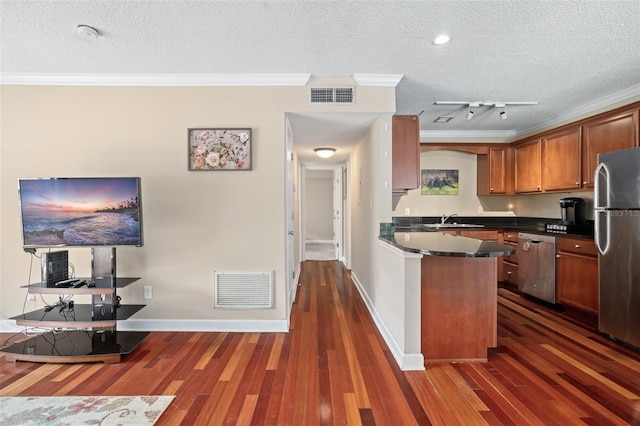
<point>324,152</point>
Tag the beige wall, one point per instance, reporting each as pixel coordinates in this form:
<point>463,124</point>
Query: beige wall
<point>194,222</point>
<point>370,205</point>
<point>318,208</point>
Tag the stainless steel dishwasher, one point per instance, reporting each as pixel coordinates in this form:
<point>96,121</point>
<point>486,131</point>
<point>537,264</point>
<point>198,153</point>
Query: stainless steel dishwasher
<point>537,266</point>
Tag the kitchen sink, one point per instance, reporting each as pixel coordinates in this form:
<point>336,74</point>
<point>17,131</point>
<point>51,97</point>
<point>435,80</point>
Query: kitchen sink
<point>450,225</point>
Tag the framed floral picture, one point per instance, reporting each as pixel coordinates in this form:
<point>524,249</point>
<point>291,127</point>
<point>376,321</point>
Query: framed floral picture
<point>219,149</point>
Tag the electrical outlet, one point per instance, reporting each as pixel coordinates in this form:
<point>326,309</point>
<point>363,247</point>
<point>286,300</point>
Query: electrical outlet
<point>407,212</point>
<point>31,296</point>
<point>148,292</point>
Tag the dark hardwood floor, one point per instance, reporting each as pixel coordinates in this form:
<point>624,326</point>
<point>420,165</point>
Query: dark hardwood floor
<point>334,368</point>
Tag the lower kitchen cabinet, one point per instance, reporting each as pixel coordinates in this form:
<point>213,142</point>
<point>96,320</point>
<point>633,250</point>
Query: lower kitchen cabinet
<point>577,274</point>
<point>508,271</point>
<point>484,235</point>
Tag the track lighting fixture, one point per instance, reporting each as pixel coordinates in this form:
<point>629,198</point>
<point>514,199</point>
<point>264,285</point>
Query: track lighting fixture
<point>470,111</point>
<point>469,104</point>
<point>503,111</point>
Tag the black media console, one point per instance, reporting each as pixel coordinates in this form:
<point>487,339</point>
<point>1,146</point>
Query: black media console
<point>81,332</point>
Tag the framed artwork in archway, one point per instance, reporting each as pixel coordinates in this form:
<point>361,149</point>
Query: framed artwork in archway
<point>439,182</point>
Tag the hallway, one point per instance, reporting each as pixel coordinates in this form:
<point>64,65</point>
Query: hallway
<point>334,368</point>
<point>319,251</point>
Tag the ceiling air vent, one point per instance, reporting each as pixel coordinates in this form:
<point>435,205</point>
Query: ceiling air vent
<point>343,95</point>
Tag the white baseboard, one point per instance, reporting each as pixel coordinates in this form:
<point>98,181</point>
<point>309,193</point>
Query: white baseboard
<point>294,291</point>
<point>186,325</point>
<point>9,326</point>
<point>406,362</point>
<point>197,325</point>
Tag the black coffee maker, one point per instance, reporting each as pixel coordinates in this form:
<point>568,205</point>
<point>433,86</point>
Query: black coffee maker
<point>572,211</point>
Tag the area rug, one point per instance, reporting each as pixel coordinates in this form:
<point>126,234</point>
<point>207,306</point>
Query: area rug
<point>82,410</point>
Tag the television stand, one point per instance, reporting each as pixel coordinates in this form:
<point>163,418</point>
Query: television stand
<point>84,332</point>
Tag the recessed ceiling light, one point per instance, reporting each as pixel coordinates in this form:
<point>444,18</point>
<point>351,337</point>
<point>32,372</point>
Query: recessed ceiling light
<point>441,39</point>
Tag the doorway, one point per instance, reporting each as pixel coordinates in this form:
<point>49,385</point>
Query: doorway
<point>322,213</point>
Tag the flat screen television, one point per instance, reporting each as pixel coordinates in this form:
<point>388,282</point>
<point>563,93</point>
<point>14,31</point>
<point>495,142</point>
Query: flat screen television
<point>81,212</point>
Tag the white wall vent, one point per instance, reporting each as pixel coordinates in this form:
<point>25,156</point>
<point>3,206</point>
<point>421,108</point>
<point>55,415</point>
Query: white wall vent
<point>324,95</point>
<point>243,290</point>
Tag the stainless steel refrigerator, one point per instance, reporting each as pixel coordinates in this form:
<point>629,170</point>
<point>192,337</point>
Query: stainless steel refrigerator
<point>617,235</point>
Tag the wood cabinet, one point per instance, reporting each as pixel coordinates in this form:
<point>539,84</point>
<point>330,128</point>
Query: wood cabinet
<point>495,175</point>
<point>509,269</point>
<point>561,159</point>
<point>527,166</point>
<point>577,274</point>
<point>480,234</point>
<point>605,134</point>
<point>405,153</point>
<point>458,308</point>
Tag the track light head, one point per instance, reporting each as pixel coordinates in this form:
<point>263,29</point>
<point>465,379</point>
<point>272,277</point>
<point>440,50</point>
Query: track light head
<point>469,114</point>
<point>503,114</point>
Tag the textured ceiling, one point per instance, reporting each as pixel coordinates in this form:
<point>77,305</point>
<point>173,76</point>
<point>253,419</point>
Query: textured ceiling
<point>570,56</point>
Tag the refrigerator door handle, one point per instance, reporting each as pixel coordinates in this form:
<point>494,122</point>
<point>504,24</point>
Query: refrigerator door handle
<point>601,172</point>
<point>602,249</point>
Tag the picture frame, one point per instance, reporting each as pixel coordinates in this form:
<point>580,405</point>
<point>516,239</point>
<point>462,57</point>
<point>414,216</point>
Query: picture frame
<point>218,149</point>
<point>439,182</point>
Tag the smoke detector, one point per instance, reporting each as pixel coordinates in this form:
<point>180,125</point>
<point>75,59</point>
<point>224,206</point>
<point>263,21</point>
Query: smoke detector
<point>87,31</point>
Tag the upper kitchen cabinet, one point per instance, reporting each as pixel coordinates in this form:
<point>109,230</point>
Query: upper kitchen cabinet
<point>605,134</point>
<point>528,166</point>
<point>405,153</point>
<point>561,159</point>
<point>495,175</point>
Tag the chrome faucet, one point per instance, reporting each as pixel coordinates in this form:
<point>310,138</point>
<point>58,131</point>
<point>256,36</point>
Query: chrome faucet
<point>444,218</point>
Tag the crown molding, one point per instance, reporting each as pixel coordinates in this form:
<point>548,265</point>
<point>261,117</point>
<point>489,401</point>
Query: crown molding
<point>380,80</point>
<point>154,79</point>
<point>621,98</point>
<point>468,135</point>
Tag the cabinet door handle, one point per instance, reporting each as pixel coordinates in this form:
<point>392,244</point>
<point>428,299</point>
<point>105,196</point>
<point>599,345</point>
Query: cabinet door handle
<point>557,256</point>
<point>509,272</point>
<point>584,183</point>
<point>577,246</point>
<point>577,183</point>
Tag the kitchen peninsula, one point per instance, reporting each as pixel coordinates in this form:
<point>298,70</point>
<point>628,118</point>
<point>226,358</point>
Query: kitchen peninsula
<point>457,293</point>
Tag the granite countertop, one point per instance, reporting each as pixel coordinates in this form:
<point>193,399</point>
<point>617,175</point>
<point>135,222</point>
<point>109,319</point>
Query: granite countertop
<point>518,224</point>
<point>442,244</point>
